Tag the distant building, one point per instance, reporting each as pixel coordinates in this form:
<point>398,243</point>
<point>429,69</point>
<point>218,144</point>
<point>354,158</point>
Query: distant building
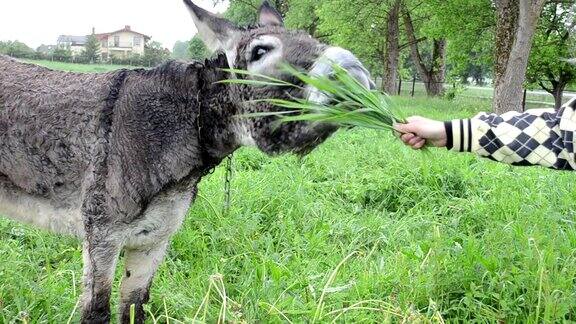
<point>75,43</point>
<point>121,43</point>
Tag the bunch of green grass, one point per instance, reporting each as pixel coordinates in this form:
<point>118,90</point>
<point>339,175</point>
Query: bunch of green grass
<point>351,104</point>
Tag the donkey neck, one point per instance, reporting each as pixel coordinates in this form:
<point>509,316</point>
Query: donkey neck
<point>218,126</point>
<point>201,110</point>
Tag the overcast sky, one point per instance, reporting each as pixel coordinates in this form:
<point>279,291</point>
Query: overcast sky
<point>37,22</point>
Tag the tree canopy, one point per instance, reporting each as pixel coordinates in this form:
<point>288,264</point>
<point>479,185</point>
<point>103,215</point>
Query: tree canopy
<point>549,67</point>
<point>16,49</point>
<point>91,52</point>
<point>180,50</point>
<point>197,50</point>
<point>154,54</point>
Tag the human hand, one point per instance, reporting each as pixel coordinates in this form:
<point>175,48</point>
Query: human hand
<point>419,131</point>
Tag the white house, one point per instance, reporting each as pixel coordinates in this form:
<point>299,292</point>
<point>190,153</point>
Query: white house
<point>121,43</point>
<point>75,43</point>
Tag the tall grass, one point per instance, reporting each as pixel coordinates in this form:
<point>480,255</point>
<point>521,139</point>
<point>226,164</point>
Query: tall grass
<point>451,238</point>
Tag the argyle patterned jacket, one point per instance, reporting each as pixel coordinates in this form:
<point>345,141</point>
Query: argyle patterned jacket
<point>536,137</point>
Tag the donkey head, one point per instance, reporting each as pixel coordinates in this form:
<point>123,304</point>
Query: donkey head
<point>263,49</point>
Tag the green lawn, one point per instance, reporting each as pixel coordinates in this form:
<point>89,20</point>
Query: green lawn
<point>73,67</point>
<point>535,98</point>
<point>361,230</point>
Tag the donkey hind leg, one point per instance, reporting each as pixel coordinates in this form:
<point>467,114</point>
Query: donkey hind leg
<point>140,266</point>
<point>100,256</point>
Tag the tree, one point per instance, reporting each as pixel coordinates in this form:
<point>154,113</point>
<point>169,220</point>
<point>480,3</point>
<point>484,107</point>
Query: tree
<point>572,49</point>
<point>438,30</point>
<point>180,50</point>
<point>298,14</point>
<point>244,12</point>
<point>432,73</point>
<point>359,26</point>
<point>62,54</point>
<point>16,49</point>
<point>302,15</point>
<point>516,25</point>
<point>547,68</point>
<point>506,26</point>
<point>476,72</point>
<point>197,50</point>
<point>468,26</point>
<point>154,54</point>
<point>91,52</point>
<point>392,50</point>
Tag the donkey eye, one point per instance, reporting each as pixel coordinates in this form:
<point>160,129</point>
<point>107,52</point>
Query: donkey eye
<point>258,52</point>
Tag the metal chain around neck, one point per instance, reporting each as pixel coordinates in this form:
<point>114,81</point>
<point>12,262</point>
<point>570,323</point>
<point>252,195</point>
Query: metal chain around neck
<point>227,184</point>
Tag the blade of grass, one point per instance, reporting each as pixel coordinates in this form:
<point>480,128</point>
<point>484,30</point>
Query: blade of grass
<point>351,104</point>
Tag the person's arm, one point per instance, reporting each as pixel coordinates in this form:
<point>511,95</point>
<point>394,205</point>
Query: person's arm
<point>537,137</point>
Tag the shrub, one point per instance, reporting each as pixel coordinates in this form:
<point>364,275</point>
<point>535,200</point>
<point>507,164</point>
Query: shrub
<point>16,49</point>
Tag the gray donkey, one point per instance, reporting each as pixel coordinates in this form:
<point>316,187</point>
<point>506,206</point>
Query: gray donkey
<point>115,158</point>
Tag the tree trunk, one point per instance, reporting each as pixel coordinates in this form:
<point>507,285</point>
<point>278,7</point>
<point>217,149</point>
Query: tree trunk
<point>506,26</point>
<point>392,55</point>
<point>434,76</point>
<point>414,51</point>
<point>558,87</point>
<point>437,70</point>
<point>558,94</point>
<point>509,83</point>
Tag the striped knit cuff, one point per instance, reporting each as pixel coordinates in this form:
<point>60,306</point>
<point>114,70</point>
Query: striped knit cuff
<point>459,135</point>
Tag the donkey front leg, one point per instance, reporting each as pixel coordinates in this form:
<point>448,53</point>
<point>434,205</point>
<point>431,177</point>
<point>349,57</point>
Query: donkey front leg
<point>103,241</point>
<point>140,266</point>
<point>100,256</point>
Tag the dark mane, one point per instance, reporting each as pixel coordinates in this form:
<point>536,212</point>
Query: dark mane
<point>218,61</point>
<point>177,70</point>
<point>176,66</point>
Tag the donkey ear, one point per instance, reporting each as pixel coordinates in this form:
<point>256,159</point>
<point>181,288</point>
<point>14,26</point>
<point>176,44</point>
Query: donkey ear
<point>268,16</point>
<point>213,30</point>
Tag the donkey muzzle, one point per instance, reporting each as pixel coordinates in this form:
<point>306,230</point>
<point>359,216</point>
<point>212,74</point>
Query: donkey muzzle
<point>323,67</point>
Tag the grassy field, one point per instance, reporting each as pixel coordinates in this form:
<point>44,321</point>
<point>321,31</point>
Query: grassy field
<point>361,230</point>
<point>534,98</point>
<point>73,67</point>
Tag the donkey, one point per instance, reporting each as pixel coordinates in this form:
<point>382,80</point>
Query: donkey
<point>115,158</point>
